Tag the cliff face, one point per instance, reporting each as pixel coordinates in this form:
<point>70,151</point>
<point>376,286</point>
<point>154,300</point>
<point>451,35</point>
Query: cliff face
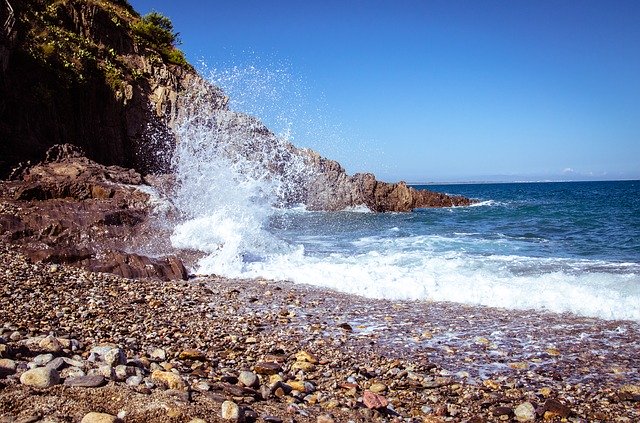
<point>76,72</point>
<point>90,73</point>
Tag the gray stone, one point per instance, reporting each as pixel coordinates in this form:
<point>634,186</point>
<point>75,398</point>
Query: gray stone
<point>71,372</point>
<point>42,359</point>
<point>57,363</point>
<point>73,363</point>
<point>42,377</point>
<point>134,380</point>
<point>248,379</point>
<point>86,381</point>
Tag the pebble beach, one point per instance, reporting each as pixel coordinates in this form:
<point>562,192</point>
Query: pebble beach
<point>93,347</point>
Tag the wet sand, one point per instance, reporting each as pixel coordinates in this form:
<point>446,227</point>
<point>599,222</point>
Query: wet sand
<point>317,355</point>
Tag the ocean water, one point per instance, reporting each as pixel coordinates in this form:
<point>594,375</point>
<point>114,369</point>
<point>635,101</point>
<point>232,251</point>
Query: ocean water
<point>561,247</point>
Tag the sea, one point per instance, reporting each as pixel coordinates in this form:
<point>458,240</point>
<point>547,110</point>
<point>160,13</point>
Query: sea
<point>560,247</point>
<point>554,246</point>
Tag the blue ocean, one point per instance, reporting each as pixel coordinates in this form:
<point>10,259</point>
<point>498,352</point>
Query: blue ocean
<point>559,247</point>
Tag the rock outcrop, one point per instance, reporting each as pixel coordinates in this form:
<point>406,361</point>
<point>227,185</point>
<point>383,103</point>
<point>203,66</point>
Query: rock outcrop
<point>85,73</point>
<point>76,72</point>
<point>330,188</point>
<point>69,209</point>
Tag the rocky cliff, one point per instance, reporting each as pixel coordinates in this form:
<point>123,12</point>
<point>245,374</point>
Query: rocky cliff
<point>106,93</point>
<point>78,71</point>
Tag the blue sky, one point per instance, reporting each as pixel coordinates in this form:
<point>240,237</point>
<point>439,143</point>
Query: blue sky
<point>437,90</point>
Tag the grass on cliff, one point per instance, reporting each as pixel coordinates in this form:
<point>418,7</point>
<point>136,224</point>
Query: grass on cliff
<point>156,32</point>
<point>76,54</point>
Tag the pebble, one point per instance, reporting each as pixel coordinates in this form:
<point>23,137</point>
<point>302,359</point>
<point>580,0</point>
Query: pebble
<point>57,363</point>
<point>92,381</point>
<point>192,355</point>
<point>42,377</point>
<point>230,411</point>
<point>325,418</point>
<point>7,367</point>
<point>115,357</point>
<point>248,379</point>
<point>99,418</point>
<point>50,344</point>
<point>134,380</point>
<point>525,412</point>
<point>158,354</point>
<point>42,359</point>
<point>267,368</point>
<point>169,379</point>
<point>376,388</point>
<point>306,356</point>
<point>374,401</point>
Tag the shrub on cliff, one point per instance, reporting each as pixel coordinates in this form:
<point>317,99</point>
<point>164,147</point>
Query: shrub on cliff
<point>156,32</point>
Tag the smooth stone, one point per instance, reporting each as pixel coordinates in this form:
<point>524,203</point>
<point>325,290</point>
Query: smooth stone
<point>325,418</point>
<point>123,372</point>
<point>101,350</point>
<point>57,363</point>
<point>305,366</point>
<point>230,411</point>
<point>73,363</point>
<point>248,379</point>
<point>267,368</point>
<point>93,381</point>
<point>306,356</point>
<point>158,355</point>
<point>42,377</point>
<point>525,412</point>
<point>4,351</point>
<point>134,380</point>
<point>115,357</point>
<point>50,344</point>
<point>71,372</point>
<point>170,379</point>
<point>42,359</point>
<point>99,418</point>
<point>376,388</point>
<point>191,354</point>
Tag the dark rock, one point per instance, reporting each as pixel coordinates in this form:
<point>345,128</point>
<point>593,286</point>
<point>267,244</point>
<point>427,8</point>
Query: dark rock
<point>267,368</point>
<point>77,212</point>
<point>554,408</point>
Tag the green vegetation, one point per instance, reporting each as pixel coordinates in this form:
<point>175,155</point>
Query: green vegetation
<point>156,31</point>
<point>100,51</point>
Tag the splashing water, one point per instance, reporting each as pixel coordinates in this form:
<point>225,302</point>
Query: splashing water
<point>523,247</point>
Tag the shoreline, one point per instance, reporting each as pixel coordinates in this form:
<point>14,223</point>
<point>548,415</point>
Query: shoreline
<point>428,361</point>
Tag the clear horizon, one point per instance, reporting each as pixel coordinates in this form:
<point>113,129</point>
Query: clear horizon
<point>437,91</point>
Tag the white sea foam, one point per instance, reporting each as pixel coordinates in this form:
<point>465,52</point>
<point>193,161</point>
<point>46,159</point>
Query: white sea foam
<point>488,281</point>
<point>226,193</point>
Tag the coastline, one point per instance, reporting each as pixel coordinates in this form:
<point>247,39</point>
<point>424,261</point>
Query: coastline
<point>427,361</point>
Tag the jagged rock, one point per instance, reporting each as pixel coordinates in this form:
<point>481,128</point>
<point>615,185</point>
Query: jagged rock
<point>119,119</point>
<point>71,210</point>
